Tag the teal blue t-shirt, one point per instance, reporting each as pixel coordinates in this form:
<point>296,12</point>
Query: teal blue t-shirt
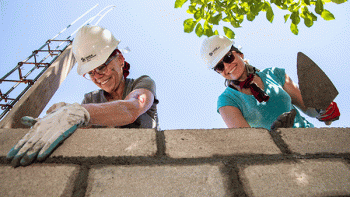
<point>265,113</point>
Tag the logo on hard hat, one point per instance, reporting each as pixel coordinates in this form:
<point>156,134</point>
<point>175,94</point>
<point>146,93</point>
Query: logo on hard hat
<point>211,53</point>
<point>88,58</point>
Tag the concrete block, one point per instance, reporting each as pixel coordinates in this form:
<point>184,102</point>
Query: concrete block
<point>317,140</point>
<point>94,142</point>
<point>109,142</point>
<point>206,143</point>
<point>198,180</point>
<point>38,180</point>
<point>10,137</point>
<point>302,178</point>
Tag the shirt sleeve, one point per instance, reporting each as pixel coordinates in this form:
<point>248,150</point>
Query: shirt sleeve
<point>87,98</point>
<point>145,82</point>
<point>279,74</point>
<point>226,100</point>
<point>96,96</point>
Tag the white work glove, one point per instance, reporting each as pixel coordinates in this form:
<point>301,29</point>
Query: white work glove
<point>56,106</point>
<point>285,120</point>
<point>47,133</point>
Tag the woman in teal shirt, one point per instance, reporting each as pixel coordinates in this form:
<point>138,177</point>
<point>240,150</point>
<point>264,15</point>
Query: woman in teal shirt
<point>256,98</point>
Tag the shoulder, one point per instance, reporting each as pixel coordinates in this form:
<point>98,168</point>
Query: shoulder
<point>144,82</point>
<point>273,71</point>
<point>278,74</point>
<point>94,93</point>
<point>144,78</point>
<point>228,96</point>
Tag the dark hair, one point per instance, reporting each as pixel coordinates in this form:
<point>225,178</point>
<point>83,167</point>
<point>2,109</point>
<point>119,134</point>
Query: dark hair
<point>233,48</point>
<point>126,64</point>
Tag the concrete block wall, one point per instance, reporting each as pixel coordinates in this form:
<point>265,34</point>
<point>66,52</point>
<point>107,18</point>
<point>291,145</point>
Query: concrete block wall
<point>204,162</point>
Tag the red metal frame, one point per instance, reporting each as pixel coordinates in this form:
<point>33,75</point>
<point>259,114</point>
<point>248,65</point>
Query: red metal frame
<point>23,78</point>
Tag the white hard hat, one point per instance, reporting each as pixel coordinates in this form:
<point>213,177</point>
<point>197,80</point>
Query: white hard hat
<point>92,46</point>
<point>214,49</point>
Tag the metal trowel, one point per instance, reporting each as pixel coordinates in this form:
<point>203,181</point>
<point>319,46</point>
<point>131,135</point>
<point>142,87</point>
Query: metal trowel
<point>316,88</point>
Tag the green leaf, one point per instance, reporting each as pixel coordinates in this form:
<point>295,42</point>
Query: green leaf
<point>277,2</point>
<point>203,11</point>
<point>319,7</point>
<point>240,18</point>
<point>198,14</point>
<point>339,1</point>
<point>227,19</point>
<point>191,9</point>
<point>229,33</point>
<point>307,2</point>
<point>308,21</point>
<point>179,3</point>
<point>295,18</point>
<point>313,16</point>
<point>269,14</point>
<point>235,23</point>
<point>256,8</point>
<point>326,15</point>
<point>250,16</point>
<point>216,19</point>
<point>294,28</point>
<point>208,29</point>
<point>286,17</point>
<point>292,7</point>
<point>189,25</point>
<point>199,30</point>
<point>216,32</point>
<point>196,2</point>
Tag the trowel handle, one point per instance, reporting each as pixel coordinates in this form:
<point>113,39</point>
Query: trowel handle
<point>330,114</point>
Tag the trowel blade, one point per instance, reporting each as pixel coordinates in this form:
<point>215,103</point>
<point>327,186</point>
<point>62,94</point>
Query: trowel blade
<point>316,88</point>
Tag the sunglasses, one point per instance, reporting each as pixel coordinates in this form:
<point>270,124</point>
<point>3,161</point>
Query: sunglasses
<point>100,70</point>
<point>228,58</point>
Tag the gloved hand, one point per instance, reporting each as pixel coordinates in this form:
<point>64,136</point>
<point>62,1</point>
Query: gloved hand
<point>285,120</point>
<point>56,106</point>
<point>47,133</point>
<point>330,114</point>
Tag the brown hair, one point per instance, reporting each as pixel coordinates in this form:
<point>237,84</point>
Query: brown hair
<point>126,67</point>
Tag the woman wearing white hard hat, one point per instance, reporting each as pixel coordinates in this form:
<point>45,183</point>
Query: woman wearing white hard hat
<point>255,98</point>
<point>120,101</point>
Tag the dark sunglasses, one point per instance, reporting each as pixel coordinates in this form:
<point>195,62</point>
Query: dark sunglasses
<point>228,58</point>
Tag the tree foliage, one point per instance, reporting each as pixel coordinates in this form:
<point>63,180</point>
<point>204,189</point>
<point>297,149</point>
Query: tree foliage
<point>208,13</point>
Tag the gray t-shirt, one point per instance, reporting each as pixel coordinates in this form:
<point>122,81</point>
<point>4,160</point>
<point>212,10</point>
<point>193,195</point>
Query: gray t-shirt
<point>146,120</point>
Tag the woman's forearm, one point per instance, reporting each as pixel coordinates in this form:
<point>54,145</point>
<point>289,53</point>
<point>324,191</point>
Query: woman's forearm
<point>116,113</point>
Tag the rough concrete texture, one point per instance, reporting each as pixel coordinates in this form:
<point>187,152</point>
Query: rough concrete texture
<point>8,138</point>
<point>94,142</point>
<point>198,180</point>
<point>299,178</point>
<point>109,142</point>
<point>215,162</point>
<point>317,140</point>
<point>206,143</point>
<point>38,180</point>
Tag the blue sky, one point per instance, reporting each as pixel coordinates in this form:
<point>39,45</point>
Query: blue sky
<point>153,30</point>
